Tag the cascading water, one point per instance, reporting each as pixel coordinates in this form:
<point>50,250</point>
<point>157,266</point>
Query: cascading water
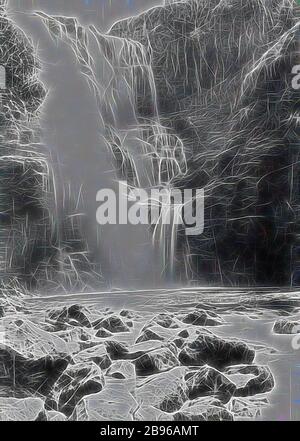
<point>146,153</point>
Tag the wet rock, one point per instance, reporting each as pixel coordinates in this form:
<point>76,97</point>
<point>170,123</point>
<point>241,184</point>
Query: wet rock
<point>96,352</point>
<point>184,333</point>
<point>104,362</point>
<point>247,407</point>
<point>156,361</point>
<point>52,415</point>
<point>179,342</point>
<point>286,327</point>
<point>147,335</point>
<point>29,339</point>
<point>165,320</point>
<point>113,403</point>
<point>75,383</point>
<point>113,324</point>
<point>27,409</point>
<point>74,315</point>
<point>207,381</point>
<point>166,391</point>
<point>122,370</point>
<point>116,350</point>
<point>119,351</point>
<point>103,333</point>
<point>202,318</point>
<point>205,409</point>
<point>216,352</point>
<point>262,382</point>
<point>27,376</point>
<point>129,314</point>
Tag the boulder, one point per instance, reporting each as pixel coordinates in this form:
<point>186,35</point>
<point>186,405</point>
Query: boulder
<point>75,383</point>
<point>166,391</point>
<point>156,361</point>
<point>284,326</point>
<point>26,409</point>
<point>165,320</point>
<point>75,315</point>
<point>113,403</point>
<point>199,317</point>
<point>216,352</point>
<point>29,376</point>
<point>121,370</point>
<point>148,334</point>
<point>103,333</point>
<point>207,381</point>
<point>262,381</point>
<point>113,324</point>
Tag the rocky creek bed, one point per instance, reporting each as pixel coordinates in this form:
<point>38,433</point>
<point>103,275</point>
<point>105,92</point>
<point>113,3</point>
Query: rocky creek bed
<point>176,355</point>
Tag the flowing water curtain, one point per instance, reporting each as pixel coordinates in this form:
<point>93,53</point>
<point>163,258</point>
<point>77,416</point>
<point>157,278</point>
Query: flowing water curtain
<point>146,153</point>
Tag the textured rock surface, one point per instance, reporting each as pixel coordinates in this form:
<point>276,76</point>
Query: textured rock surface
<point>27,409</point>
<point>221,72</point>
<point>28,376</point>
<point>219,353</point>
<point>284,326</point>
<point>75,383</point>
<point>207,381</point>
<point>112,324</point>
<point>157,361</point>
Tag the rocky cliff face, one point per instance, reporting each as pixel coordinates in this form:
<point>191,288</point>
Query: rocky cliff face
<point>34,249</point>
<point>222,71</point>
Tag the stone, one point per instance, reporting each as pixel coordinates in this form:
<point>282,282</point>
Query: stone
<point>113,324</point>
<point>147,335</point>
<point>75,315</point>
<point>184,333</point>
<point>156,361</point>
<point>216,352</point>
<point>166,391</point>
<point>262,381</point>
<point>26,409</point>
<point>113,403</point>
<point>122,370</point>
<point>165,320</point>
<point>199,317</point>
<point>284,326</point>
<point>29,376</point>
<point>103,333</point>
<point>75,383</point>
<point>207,381</point>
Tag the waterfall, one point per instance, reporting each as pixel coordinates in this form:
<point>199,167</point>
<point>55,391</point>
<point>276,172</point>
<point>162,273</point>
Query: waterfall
<point>145,152</point>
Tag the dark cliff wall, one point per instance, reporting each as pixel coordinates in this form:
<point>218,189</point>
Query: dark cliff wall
<point>223,76</point>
